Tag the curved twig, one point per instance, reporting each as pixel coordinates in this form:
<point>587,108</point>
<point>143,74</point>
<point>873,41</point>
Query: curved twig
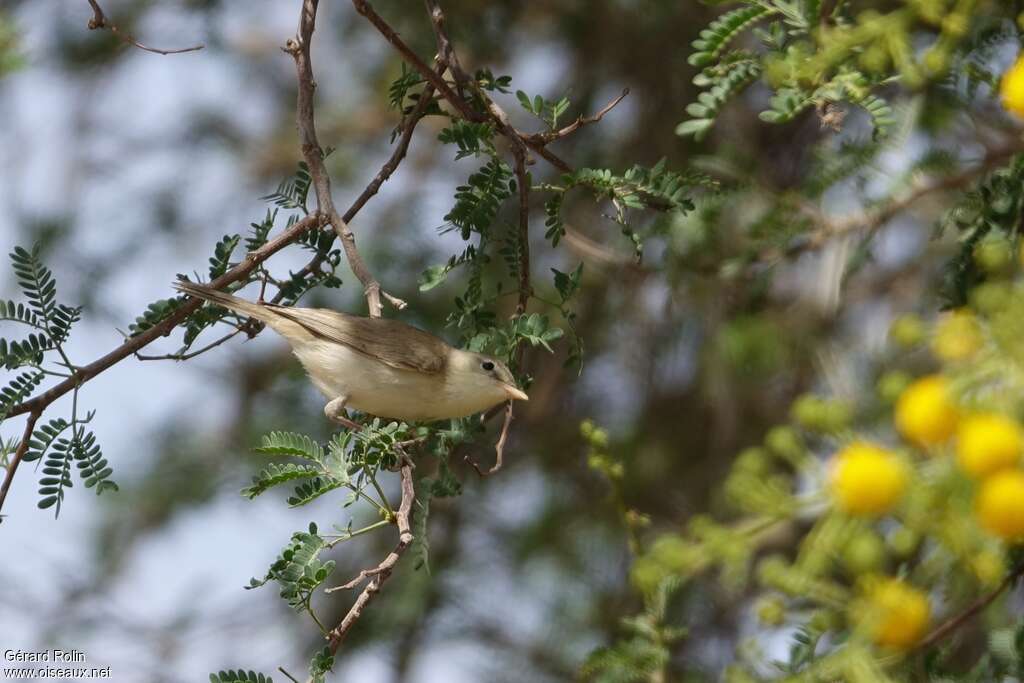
<point>298,47</point>
<point>100,20</point>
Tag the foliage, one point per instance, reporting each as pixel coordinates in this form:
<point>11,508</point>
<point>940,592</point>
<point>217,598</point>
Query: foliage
<point>942,530</point>
<point>43,352</point>
<point>240,676</point>
<point>812,60</point>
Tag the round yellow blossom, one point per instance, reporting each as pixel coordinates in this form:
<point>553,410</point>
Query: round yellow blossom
<point>1000,504</point>
<point>867,480</point>
<point>957,336</point>
<point>899,614</point>
<point>925,414</point>
<point>1011,89</point>
<point>987,443</point>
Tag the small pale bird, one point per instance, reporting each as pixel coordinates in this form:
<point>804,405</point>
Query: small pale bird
<point>381,367</point>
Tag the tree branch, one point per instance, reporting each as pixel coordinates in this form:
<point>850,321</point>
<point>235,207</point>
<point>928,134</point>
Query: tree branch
<point>299,48</point>
<point>872,220</point>
<point>99,20</point>
<point>551,136</point>
<point>494,111</point>
<point>380,573</point>
<point>19,454</point>
<point>163,328</point>
<point>974,608</point>
<point>499,448</point>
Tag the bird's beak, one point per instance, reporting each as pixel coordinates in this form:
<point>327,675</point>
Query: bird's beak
<point>515,393</point>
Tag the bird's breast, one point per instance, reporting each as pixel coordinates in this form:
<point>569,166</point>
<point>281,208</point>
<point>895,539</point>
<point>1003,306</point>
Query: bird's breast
<point>379,389</point>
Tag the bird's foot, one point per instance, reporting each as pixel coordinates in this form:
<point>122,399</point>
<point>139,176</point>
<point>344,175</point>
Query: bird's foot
<point>335,412</point>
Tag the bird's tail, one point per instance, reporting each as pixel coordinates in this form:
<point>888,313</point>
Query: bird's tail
<point>253,310</point>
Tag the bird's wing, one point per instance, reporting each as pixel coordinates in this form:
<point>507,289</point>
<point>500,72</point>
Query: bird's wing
<point>389,341</point>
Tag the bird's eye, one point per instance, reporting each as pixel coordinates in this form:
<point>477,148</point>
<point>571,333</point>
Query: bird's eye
<point>487,365</point>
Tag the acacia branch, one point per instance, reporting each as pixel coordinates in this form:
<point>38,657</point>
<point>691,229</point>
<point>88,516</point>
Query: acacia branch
<point>408,127</point>
<point>100,20</point>
<point>872,220</point>
<point>163,328</point>
<point>299,48</point>
<point>499,447</point>
<point>198,352</point>
<point>379,574</point>
<point>19,454</point>
<point>253,260</point>
<point>551,136</point>
<point>971,610</point>
<point>494,112</point>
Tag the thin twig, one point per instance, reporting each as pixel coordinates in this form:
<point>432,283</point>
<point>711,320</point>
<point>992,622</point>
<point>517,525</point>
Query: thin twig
<point>495,112</point>
<point>499,448</point>
<point>163,328</point>
<point>299,48</point>
<point>408,126</point>
<point>252,261</point>
<point>974,608</point>
<point>379,574</point>
<point>872,220</point>
<point>551,136</point>
<point>19,454</point>
<point>100,20</point>
<point>192,354</point>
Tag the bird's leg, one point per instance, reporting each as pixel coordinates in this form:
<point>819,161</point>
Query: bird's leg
<point>335,412</point>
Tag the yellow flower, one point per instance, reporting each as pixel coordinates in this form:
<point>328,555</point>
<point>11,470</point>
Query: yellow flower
<point>957,336</point>
<point>987,442</point>
<point>899,614</point>
<point>1011,89</point>
<point>867,480</point>
<point>1000,504</point>
<point>924,412</point>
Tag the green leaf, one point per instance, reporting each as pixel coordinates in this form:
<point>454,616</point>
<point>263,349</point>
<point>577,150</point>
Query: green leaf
<point>477,202</point>
<point>260,232</point>
<point>18,390</point>
<point>720,32</point>
<point>56,474</point>
<point>289,443</point>
<point>309,491</point>
<point>19,313</point>
<point>298,570</point>
<point>25,352</point>
<point>239,676</point>
<point>536,329</point>
<point>322,662</point>
<point>36,281</point>
<point>154,314</point>
<point>524,101</point>
<point>433,276</point>
<point>292,192</point>
<point>220,261</point>
<point>472,139</point>
<point>275,474</point>
<point>92,466</point>
<point>694,127</point>
<point>566,283</point>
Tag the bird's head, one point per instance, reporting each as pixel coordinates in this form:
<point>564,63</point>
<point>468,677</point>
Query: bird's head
<point>484,377</point>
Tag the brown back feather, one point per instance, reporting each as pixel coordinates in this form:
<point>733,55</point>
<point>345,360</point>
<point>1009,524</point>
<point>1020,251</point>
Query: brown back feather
<point>391,342</point>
